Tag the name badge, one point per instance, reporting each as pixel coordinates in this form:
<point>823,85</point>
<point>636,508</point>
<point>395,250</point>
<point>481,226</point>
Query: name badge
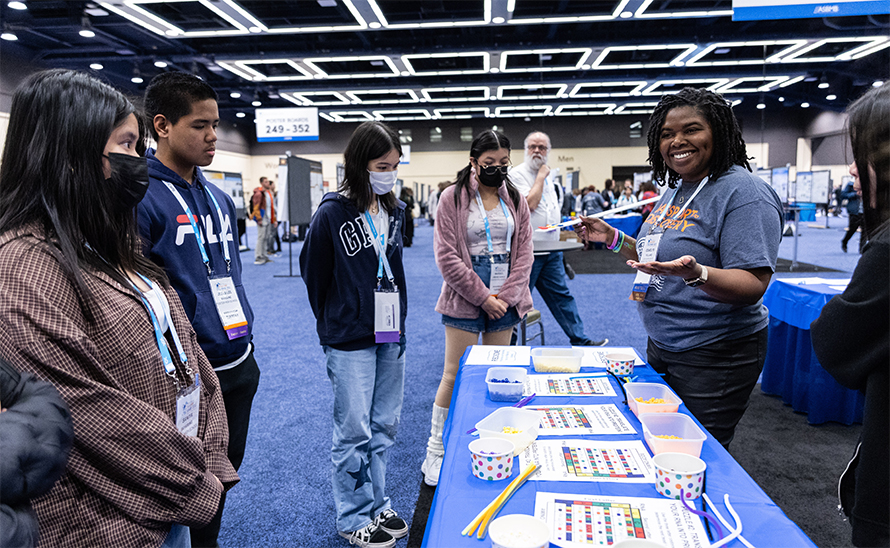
<point>499,273</point>
<point>225,296</point>
<point>387,316</point>
<point>188,403</point>
<point>648,251</point>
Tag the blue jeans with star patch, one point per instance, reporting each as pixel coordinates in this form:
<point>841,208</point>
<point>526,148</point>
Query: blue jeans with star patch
<point>369,386</point>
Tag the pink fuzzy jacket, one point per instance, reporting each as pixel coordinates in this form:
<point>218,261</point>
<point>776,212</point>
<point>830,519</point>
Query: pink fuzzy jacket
<point>462,291</point>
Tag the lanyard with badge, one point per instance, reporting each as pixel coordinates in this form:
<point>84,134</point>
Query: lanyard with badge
<point>648,246</point>
<point>188,399</point>
<point>225,296</point>
<point>387,313</point>
<point>499,271</point>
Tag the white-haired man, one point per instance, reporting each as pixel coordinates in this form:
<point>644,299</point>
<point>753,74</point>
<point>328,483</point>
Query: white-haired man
<point>548,273</point>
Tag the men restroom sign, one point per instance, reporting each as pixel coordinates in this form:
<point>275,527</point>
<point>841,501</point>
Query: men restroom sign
<point>286,124</point>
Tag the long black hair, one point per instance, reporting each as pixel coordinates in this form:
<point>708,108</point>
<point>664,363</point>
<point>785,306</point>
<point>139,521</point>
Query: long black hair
<point>729,147</point>
<point>869,126</point>
<point>490,139</point>
<point>369,141</point>
<point>52,175</point>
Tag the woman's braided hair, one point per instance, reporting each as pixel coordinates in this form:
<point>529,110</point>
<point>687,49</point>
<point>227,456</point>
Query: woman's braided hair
<point>729,147</point>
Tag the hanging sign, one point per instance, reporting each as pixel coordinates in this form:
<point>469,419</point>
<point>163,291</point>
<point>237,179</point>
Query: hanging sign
<point>286,124</point>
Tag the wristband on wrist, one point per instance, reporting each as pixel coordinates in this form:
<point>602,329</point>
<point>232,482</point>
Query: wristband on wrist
<point>614,240</point>
<point>618,247</point>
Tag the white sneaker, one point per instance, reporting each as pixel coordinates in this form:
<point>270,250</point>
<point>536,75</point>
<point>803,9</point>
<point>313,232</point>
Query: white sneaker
<point>431,467</point>
<point>370,536</point>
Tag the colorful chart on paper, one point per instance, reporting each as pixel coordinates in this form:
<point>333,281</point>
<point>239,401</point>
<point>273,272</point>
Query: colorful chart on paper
<point>577,521</point>
<point>567,385</point>
<point>571,420</point>
<point>589,460</point>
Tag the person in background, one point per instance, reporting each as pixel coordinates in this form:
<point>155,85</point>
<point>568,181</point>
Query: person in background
<point>81,308</point>
<point>483,247</point>
<point>609,194</point>
<point>351,262</point>
<point>273,246</point>
<point>851,337</point>
<point>186,226</point>
<point>262,211</point>
<point>548,271</point>
<point>407,196</point>
<point>627,198</point>
<point>593,202</point>
<point>854,213</point>
<point>35,426</point>
<point>647,191</point>
<point>433,201</point>
<point>705,258</point>
<point>577,197</point>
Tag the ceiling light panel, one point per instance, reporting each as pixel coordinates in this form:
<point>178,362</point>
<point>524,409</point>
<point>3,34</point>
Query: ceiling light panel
<point>528,12</point>
<point>637,57</point>
<point>374,66</point>
<point>544,60</point>
<point>402,115</point>
<point>663,9</point>
<point>523,111</point>
<point>607,89</point>
<point>461,113</point>
<point>594,109</point>
<point>292,15</point>
<point>744,53</point>
<point>835,49</point>
<point>267,70</point>
<point>531,91</point>
<point>398,14</point>
<point>194,17</point>
<point>346,116</point>
<point>636,108</point>
<point>383,96</point>
<point>661,87</point>
<point>456,95</point>
<point>754,84</point>
<point>443,64</point>
<point>316,98</point>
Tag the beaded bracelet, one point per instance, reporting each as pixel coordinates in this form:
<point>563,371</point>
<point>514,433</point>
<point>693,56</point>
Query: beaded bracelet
<point>614,241</point>
<point>618,247</point>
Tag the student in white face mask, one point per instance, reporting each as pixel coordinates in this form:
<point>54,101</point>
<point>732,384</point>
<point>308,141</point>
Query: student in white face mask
<point>352,265</point>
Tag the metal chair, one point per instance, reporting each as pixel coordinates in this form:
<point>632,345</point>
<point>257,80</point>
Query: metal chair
<point>532,318</point>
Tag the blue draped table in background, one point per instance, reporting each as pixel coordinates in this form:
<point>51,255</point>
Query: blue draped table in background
<point>460,496</point>
<point>792,370</point>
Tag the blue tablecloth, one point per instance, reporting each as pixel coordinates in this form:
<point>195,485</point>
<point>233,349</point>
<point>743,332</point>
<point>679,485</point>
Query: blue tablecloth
<point>792,370</point>
<point>460,496</point>
<point>629,224</point>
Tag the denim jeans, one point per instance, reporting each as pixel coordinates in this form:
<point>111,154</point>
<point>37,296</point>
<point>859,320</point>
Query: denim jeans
<point>369,387</point>
<point>548,276</point>
<point>481,323</point>
<point>178,537</point>
<point>714,381</point>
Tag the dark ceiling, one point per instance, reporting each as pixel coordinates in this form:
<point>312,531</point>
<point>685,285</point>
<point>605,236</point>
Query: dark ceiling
<point>410,60</point>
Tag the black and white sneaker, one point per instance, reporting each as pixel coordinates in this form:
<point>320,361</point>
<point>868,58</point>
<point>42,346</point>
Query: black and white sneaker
<point>390,522</point>
<point>370,536</point>
<point>589,342</point>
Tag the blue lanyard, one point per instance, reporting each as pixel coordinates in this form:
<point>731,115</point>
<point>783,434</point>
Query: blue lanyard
<point>380,247</point>
<point>199,236</point>
<point>488,228</point>
<point>169,365</point>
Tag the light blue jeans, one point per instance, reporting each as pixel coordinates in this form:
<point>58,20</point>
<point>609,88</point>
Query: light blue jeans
<point>369,386</point>
<point>178,537</point>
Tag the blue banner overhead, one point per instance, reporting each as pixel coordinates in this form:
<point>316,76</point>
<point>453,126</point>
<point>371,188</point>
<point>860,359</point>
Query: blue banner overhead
<point>756,10</point>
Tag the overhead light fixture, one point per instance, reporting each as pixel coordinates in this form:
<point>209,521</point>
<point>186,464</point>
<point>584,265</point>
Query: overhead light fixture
<point>240,115</point>
<point>86,29</point>
<point>823,85</point>
<point>96,66</point>
<point>161,64</point>
<point>137,79</point>
<point>234,95</point>
<point>374,25</point>
<point>498,20</point>
<point>781,99</point>
<point>626,14</point>
<point>8,36</point>
<point>257,103</point>
<point>804,105</point>
<point>17,5</point>
<point>761,106</point>
<point>831,97</point>
<point>877,83</point>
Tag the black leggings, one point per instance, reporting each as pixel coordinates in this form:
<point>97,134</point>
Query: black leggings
<point>714,381</point>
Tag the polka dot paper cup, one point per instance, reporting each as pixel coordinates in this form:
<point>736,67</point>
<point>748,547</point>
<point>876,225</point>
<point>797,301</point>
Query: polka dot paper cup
<point>492,458</point>
<point>679,471</point>
<point>620,364</point>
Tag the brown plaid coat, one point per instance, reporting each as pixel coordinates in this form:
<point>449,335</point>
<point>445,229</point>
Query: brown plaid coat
<point>131,474</point>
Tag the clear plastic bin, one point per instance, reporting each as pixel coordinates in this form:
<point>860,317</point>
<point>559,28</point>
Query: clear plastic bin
<point>506,391</point>
<point>557,360</point>
<point>524,420</point>
<point>690,435</point>
<point>647,391</point>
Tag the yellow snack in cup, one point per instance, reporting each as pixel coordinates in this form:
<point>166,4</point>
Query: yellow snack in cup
<point>651,400</point>
<point>667,437</point>
<point>511,430</point>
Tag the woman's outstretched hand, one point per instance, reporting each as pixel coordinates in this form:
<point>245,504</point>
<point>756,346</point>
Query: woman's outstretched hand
<point>685,267</point>
<point>593,229</point>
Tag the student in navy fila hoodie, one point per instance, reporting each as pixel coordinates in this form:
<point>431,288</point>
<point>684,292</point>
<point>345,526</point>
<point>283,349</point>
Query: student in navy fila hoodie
<point>182,115</point>
<point>352,265</point>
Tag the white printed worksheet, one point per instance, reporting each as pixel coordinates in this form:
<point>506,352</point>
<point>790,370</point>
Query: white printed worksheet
<point>577,420</point>
<point>589,460</point>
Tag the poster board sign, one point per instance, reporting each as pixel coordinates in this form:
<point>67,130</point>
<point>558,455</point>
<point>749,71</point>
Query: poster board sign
<point>803,187</point>
<point>231,184</point>
<point>821,189</point>
<point>766,175</point>
<point>286,124</point>
<point>779,182</point>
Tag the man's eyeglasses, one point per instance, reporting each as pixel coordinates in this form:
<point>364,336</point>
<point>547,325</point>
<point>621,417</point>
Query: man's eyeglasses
<point>542,148</point>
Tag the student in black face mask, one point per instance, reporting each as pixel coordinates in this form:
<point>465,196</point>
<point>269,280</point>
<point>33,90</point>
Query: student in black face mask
<point>483,247</point>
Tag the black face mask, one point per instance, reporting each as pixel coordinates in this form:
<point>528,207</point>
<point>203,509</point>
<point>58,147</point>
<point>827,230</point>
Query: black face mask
<point>492,175</point>
<point>129,179</point>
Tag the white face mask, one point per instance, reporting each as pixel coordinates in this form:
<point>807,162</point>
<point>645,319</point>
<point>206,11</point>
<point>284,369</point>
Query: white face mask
<point>382,181</point>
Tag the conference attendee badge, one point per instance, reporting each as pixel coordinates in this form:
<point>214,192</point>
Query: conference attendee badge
<point>648,251</point>
<point>387,316</point>
<point>499,273</point>
<point>188,403</point>
<point>228,306</point>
